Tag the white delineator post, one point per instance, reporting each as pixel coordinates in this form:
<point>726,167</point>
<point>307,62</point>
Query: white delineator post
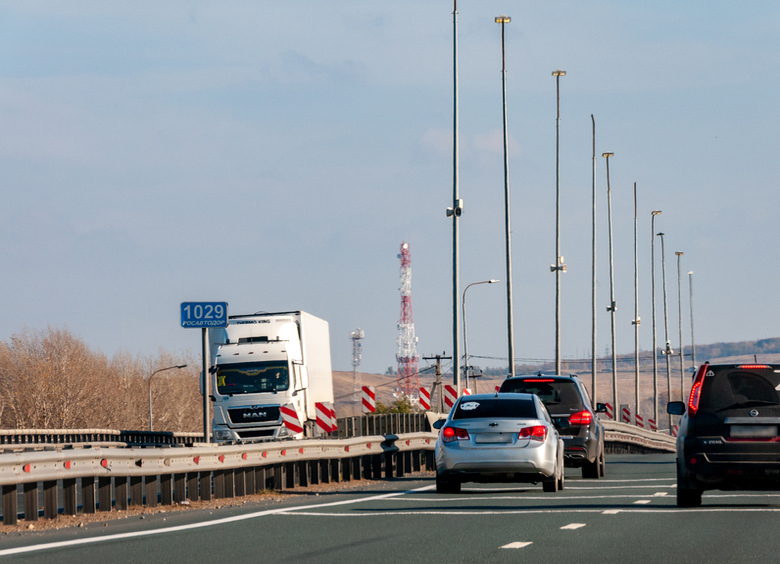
<point>369,399</point>
<point>425,398</point>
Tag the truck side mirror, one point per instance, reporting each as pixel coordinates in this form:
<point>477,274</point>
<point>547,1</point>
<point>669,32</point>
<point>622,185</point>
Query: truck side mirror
<point>675,408</point>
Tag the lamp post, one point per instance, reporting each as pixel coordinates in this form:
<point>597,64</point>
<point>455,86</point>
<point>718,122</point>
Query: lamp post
<point>693,343</point>
<point>150,389</point>
<point>612,306</point>
<point>593,367</point>
<point>679,324</point>
<point>655,352</point>
<point>503,20</point>
<point>637,320</point>
<point>466,365</point>
<point>668,347</point>
<point>457,207</point>
<point>558,267</point>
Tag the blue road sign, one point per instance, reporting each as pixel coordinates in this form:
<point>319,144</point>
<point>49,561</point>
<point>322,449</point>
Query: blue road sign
<point>204,314</point>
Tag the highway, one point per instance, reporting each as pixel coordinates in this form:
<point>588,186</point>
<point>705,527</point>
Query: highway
<point>630,516</point>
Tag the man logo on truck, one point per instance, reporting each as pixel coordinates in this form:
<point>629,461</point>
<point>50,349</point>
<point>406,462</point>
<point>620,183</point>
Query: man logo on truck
<point>256,414</point>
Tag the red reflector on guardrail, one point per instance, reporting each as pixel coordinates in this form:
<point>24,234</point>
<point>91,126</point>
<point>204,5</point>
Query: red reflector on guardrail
<point>221,458</point>
<point>300,450</point>
<point>284,452</point>
<point>265,455</point>
<point>67,464</point>
<point>196,460</point>
<point>104,463</point>
<point>243,456</point>
<point>346,448</point>
<point>26,468</point>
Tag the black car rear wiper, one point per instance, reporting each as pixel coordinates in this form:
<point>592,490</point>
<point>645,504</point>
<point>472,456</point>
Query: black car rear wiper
<point>748,403</point>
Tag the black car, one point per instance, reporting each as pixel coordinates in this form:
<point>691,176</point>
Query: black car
<point>566,397</point>
<point>728,437</point>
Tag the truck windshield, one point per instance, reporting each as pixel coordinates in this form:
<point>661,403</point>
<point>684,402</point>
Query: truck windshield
<point>252,378</point>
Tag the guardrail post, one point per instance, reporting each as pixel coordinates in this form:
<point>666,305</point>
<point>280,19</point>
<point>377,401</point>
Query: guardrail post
<point>416,461</point>
<point>50,504</point>
<point>166,489</point>
<point>388,456</point>
<point>430,463</point>
<point>179,487</point>
<point>219,484</point>
<point>192,486</point>
<point>280,476</point>
<point>407,459</point>
<point>239,482</point>
<point>335,470</point>
<point>376,464</point>
<point>10,508</point>
<point>346,469</point>
<point>314,471</point>
<point>290,475</point>
<point>230,483</point>
<point>303,473</point>
<point>104,493</point>
<point>399,464</point>
<point>136,490</point>
<point>120,492</point>
<point>87,495</point>
<point>205,486</point>
<point>69,496</point>
<point>261,479</point>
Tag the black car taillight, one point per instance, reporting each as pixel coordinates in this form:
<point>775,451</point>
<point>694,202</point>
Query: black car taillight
<point>698,381</point>
<point>581,418</point>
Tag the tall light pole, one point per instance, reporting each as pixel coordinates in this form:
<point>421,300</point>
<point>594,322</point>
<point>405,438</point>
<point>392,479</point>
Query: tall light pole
<point>655,345</point>
<point>693,343</point>
<point>503,20</point>
<point>150,390</point>
<point>593,367</point>
<point>457,208</point>
<point>636,321</point>
<point>668,346</point>
<point>679,324</point>
<point>558,267</point>
<point>612,305</point>
<point>466,364</point>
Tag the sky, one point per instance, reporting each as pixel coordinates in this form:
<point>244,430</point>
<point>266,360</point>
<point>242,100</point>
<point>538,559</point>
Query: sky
<point>275,155</point>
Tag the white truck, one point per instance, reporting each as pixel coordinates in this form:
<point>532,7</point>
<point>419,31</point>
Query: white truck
<point>267,372</point>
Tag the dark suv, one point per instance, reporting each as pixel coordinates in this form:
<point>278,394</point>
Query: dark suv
<point>728,437</point>
<point>566,397</point>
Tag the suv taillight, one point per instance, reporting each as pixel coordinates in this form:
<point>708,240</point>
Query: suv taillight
<point>581,418</point>
<point>698,381</point>
<point>535,433</point>
<point>450,434</point>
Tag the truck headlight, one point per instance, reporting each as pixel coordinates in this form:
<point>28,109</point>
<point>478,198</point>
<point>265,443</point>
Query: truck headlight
<point>283,432</point>
<point>223,435</point>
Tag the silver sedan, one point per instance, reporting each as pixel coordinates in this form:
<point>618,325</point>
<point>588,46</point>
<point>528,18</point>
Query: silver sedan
<point>498,438</point>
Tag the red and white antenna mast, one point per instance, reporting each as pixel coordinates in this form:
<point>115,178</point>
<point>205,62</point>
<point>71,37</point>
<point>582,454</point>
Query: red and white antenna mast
<point>408,379</point>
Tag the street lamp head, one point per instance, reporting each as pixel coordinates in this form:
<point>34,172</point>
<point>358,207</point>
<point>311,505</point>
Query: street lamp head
<point>502,19</point>
<point>656,212</point>
<point>493,281</point>
<point>559,72</point>
<point>678,253</point>
<point>607,154</point>
<point>660,234</point>
<point>690,272</point>
<point>181,366</point>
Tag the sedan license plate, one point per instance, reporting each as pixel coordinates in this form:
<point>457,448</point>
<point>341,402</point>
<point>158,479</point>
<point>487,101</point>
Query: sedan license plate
<point>753,431</point>
<point>493,438</point>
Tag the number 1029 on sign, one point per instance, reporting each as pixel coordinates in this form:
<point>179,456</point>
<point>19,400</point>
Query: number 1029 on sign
<point>204,314</point>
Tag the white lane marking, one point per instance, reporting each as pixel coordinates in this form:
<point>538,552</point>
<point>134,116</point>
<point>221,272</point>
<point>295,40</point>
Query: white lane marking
<point>661,510</point>
<point>660,494</point>
<point>611,512</point>
<point>656,486</point>
<point>438,499</point>
<point>573,526</point>
<point>202,524</point>
<point>575,481</point>
<point>516,545</point>
<point>642,501</point>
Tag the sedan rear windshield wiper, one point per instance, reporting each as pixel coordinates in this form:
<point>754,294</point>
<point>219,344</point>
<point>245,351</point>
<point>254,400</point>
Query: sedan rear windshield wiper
<point>748,403</point>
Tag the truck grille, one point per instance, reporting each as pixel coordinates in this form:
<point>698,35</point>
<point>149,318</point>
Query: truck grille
<point>254,414</point>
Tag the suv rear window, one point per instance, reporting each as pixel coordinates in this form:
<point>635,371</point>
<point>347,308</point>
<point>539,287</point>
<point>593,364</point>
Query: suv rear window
<point>498,408</point>
<point>737,387</point>
<point>558,396</point>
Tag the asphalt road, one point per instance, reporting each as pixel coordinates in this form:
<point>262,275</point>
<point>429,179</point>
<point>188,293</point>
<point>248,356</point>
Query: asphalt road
<point>630,516</point>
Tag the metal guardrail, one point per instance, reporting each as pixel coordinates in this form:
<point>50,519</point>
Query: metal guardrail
<point>625,438</point>
<point>144,476</point>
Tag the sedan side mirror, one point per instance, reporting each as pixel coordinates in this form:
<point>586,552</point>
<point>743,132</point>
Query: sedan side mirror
<point>439,424</point>
<point>675,408</point>
<point>601,408</point>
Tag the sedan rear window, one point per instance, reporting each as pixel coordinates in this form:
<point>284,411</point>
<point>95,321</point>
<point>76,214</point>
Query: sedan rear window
<point>496,408</point>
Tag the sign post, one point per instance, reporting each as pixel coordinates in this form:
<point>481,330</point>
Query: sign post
<point>204,315</point>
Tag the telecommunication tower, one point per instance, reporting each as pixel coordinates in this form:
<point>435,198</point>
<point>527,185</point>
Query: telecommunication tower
<point>357,353</point>
<point>408,379</point>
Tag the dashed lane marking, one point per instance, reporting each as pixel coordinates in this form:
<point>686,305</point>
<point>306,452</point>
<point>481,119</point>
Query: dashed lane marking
<point>516,545</point>
<point>611,512</point>
<point>573,526</point>
<point>660,494</point>
<point>642,501</point>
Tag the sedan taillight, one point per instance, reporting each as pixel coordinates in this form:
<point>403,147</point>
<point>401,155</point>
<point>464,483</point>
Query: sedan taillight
<point>535,433</point>
<point>581,418</point>
<point>450,434</point>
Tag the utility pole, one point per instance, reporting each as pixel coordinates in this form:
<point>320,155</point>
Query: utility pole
<point>679,324</point>
<point>594,356</point>
<point>437,384</point>
<point>652,291</point>
<point>558,267</point>
<point>637,319</point>
<point>612,305</point>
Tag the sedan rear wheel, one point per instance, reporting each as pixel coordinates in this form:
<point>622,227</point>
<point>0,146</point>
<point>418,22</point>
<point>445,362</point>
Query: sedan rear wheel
<point>445,485</point>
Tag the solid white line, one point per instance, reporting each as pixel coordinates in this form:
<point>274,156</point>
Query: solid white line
<point>573,526</point>
<point>661,510</point>
<point>523,498</point>
<point>200,525</point>
<point>516,545</point>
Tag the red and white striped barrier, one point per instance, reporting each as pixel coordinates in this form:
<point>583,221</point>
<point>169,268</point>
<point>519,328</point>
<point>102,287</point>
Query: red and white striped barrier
<point>425,398</point>
<point>639,421</point>
<point>674,430</point>
<point>450,395</point>
<point>626,415</point>
<point>610,411</point>
<point>369,399</point>
<point>326,417</point>
<point>466,392</point>
<point>653,425</point>
<point>290,419</point>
